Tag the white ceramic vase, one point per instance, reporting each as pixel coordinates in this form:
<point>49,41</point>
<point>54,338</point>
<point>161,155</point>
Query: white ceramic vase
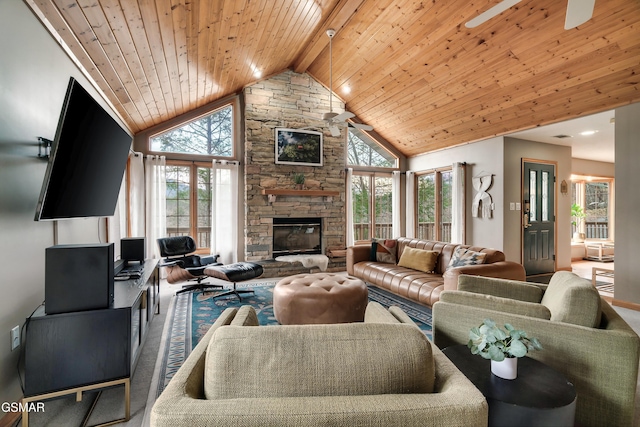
<point>507,369</point>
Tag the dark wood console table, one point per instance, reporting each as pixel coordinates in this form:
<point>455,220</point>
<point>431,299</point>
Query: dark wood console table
<point>70,353</point>
<point>539,396</point>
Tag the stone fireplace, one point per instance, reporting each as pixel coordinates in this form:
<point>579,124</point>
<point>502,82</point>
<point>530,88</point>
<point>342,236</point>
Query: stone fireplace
<point>290,100</point>
<point>297,236</point>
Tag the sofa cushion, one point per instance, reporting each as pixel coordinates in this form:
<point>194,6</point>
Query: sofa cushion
<point>418,259</point>
<point>384,251</point>
<point>572,299</point>
<point>318,360</point>
<point>464,256</point>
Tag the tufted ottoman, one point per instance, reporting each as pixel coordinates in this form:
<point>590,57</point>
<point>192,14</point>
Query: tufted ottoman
<point>319,298</point>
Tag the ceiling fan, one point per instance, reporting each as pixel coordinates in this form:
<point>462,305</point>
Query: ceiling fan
<point>578,12</point>
<point>334,120</point>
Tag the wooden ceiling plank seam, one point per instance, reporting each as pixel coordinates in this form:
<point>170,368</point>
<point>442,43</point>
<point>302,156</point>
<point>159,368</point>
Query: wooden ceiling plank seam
<point>215,27</point>
<point>202,54</point>
<point>169,50</point>
<point>179,16</point>
<point>122,34</point>
<point>339,16</point>
<point>193,25</point>
<point>131,12</point>
<point>76,20</point>
<point>152,32</point>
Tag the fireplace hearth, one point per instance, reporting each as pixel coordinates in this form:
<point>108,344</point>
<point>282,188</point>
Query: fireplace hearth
<point>297,236</point>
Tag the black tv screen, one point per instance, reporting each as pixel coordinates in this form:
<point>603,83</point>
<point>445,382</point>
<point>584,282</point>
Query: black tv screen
<point>87,161</point>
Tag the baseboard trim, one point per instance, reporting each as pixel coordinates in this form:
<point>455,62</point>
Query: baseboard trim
<point>626,304</point>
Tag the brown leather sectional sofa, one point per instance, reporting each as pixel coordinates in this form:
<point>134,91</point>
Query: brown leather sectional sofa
<point>424,287</point>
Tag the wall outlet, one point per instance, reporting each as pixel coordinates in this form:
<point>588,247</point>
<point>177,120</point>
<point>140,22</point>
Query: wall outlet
<point>15,338</point>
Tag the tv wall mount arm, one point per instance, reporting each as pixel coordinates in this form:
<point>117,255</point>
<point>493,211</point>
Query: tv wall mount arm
<point>44,147</point>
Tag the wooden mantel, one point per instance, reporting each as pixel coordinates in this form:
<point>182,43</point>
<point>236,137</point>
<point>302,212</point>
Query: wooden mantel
<point>272,193</point>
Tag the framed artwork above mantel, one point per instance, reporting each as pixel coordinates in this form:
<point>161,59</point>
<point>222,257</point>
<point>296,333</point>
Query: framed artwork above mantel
<point>298,147</point>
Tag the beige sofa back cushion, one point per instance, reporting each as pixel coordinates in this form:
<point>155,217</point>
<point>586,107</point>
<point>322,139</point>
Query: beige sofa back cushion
<point>318,360</point>
<point>572,299</point>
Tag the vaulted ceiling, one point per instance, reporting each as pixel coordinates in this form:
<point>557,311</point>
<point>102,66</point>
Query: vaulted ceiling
<point>416,73</point>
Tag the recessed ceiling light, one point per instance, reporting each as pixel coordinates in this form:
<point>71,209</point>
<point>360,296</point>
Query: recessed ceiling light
<point>346,89</point>
<point>588,132</point>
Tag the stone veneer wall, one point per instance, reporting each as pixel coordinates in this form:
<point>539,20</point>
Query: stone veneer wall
<point>290,100</point>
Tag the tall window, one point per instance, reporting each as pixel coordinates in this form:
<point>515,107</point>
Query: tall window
<point>595,197</point>
<point>362,150</point>
<point>188,148</point>
<point>210,135</point>
<point>433,205</point>
<point>189,201</point>
<point>372,209</point>
<point>371,186</point>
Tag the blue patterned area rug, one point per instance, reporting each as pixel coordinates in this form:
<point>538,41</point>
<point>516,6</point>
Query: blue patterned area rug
<point>193,314</point>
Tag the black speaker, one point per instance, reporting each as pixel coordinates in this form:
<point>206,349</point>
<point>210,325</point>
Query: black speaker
<point>78,277</point>
<point>133,249</point>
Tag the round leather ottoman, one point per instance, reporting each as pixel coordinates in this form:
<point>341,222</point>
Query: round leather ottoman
<point>319,298</point>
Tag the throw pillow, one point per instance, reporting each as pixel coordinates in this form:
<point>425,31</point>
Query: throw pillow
<point>384,251</point>
<point>462,257</point>
<point>418,259</point>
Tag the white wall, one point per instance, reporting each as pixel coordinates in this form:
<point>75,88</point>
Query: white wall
<point>592,168</point>
<point>33,79</point>
<point>485,156</point>
<point>627,203</point>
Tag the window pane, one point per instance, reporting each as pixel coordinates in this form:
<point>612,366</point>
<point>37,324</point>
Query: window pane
<point>361,207</point>
<point>178,200</point>
<point>204,207</point>
<point>383,208</point>
<point>210,135</point>
<point>545,196</point>
<point>446,197</point>
<point>364,151</point>
<point>533,195</point>
<point>426,206</point>
<point>597,210</point>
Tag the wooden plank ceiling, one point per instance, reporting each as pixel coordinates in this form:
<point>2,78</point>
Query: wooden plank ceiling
<point>416,73</point>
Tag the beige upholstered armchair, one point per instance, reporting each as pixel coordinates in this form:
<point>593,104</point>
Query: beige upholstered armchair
<point>378,373</point>
<point>582,335</point>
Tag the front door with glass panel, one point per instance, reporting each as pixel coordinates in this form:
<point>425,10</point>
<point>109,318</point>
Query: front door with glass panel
<point>538,218</point>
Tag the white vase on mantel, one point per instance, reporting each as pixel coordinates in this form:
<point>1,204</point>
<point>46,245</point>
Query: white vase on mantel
<point>507,369</point>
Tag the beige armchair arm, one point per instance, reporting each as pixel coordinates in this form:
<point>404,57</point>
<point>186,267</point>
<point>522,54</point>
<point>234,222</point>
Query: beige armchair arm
<point>513,289</point>
<point>490,302</point>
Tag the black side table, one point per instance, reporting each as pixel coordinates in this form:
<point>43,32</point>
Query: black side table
<point>539,396</point>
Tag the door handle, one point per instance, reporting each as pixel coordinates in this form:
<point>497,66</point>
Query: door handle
<point>525,221</point>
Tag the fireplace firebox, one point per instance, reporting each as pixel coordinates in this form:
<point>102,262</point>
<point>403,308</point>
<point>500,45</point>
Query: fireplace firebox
<point>297,236</point>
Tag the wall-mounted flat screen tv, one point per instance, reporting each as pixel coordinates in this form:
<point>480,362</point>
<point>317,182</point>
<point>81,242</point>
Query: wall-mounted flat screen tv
<point>87,161</point>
